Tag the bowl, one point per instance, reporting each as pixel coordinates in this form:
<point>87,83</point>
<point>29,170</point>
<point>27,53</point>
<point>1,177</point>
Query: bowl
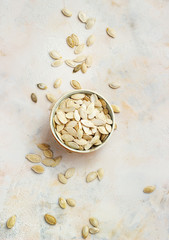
<point>67,95</point>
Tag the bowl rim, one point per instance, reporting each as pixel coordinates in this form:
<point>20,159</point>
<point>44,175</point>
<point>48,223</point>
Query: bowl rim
<point>68,94</point>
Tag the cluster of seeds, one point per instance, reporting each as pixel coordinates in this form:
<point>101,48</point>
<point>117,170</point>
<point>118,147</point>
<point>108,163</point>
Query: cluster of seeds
<point>63,178</point>
<point>82,121</point>
<point>93,230</point>
<point>64,202</point>
<point>93,175</point>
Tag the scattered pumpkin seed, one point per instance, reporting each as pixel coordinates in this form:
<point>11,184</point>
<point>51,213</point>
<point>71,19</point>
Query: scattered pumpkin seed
<point>11,222</point>
<point>71,202</point>
<point>57,63</point>
<point>62,178</point>
<point>51,97</point>
<point>55,55</point>
<point>84,68</point>
<point>94,222</point>
<point>38,169</point>
<point>114,85</point>
<point>90,23</point>
<point>85,231</point>
<point>75,39</point>
<point>48,162</point>
<point>115,108</point>
<point>89,61</point>
<point>80,58</point>
<point>57,83</point>
<point>42,86</point>
<point>91,176</point>
<point>75,84</point>
<point>100,174</point>
<point>34,158</point>
<point>90,40</point>
<point>62,203</point>
<point>43,146</point>
<point>149,189</point>
<point>77,68</point>
<point>34,97</point>
<point>48,153</point>
<point>70,42</point>
<point>93,230</point>
<point>111,32</point>
<point>69,172</point>
<point>57,160</point>
<point>70,63</point>
<point>79,48</point>
<point>66,12</point>
<point>82,17</point>
<point>50,219</point>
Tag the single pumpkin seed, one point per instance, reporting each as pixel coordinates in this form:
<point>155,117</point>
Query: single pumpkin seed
<point>51,97</point>
<point>78,96</point>
<point>70,42</point>
<point>38,169</point>
<point>75,39</point>
<point>77,68</point>
<point>11,222</point>
<point>57,83</point>
<point>89,61</point>
<point>34,158</point>
<point>108,128</point>
<point>57,160</point>
<point>85,231</point>
<point>62,203</point>
<point>48,162</point>
<point>55,55</point>
<point>42,86</point>
<point>43,146</point>
<point>91,176</point>
<point>57,63</point>
<point>111,32</point>
<point>48,153</point>
<point>71,202</point>
<point>50,219</point>
<point>70,63</point>
<point>69,172</point>
<point>81,142</point>
<point>114,85</point>
<point>94,230</point>
<point>84,68</point>
<point>100,174</point>
<point>67,137</point>
<point>61,116</point>
<point>62,178</point>
<point>115,108</point>
<point>80,58</point>
<point>79,49</point>
<point>82,17</point>
<point>94,222</point>
<point>66,12</point>
<point>105,110</point>
<point>34,97</point>
<point>149,189</point>
<point>90,23</point>
<point>75,84</point>
<point>102,130</point>
<point>73,145</point>
<point>90,40</point>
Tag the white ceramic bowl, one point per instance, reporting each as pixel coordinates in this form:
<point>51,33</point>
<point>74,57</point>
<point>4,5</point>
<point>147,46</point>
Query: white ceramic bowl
<point>111,113</point>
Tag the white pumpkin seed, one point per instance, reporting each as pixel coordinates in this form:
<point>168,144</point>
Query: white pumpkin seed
<point>71,202</point>
<point>88,146</point>
<point>80,58</point>
<point>90,23</point>
<point>82,17</point>
<point>81,142</point>
<point>71,131</point>
<point>48,162</point>
<point>91,176</point>
<point>78,96</point>
<point>59,127</point>
<point>94,222</point>
<point>70,63</point>
<point>62,203</point>
<point>38,169</point>
<point>70,41</point>
<point>89,61</point>
<point>61,116</point>
<point>67,137</point>
<point>57,83</point>
<point>51,97</point>
<point>55,55</point>
<point>71,124</point>
<point>76,115</point>
<point>62,178</point>
<point>73,145</point>
<point>87,123</point>
<point>100,173</point>
<point>90,108</point>
<point>114,85</point>
<point>90,40</point>
<point>69,115</point>
<point>115,108</point>
<point>75,39</point>
<point>102,130</point>
<point>93,230</point>
<point>57,63</point>
<point>108,128</point>
<point>42,86</point>
<point>84,68</point>
<point>111,32</point>
<point>34,158</point>
<point>66,12</point>
<point>48,153</point>
<point>75,84</point>
<point>79,48</point>
<point>85,232</point>
<point>69,172</point>
<point>43,146</point>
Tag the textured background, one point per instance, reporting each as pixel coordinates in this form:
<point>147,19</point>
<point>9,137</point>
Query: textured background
<point>136,155</point>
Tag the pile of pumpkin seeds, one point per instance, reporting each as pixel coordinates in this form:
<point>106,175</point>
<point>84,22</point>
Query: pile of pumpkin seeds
<point>93,230</point>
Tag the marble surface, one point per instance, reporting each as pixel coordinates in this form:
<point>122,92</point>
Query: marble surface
<point>136,155</point>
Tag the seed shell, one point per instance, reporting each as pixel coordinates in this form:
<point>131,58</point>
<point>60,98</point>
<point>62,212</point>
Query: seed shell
<point>38,169</point>
<point>84,68</point>
<point>75,39</point>
<point>89,61</point>
<point>77,68</point>
<point>80,58</point>
<point>51,97</point>
<point>11,222</point>
<point>50,219</point>
<point>34,97</point>
<point>70,42</point>
<point>34,158</point>
<point>149,189</point>
<point>48,153</point>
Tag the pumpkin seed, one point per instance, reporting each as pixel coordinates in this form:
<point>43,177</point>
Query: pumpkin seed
<point>79,49</point>
<point>62,203</point>
<point>82,17</point>
<point>149,189</point>
<point>87,123</point>
<point>108,128</point>
<point>91,176</point>
<point>80,58</point>
<point>94,222</point>
<point>114,85</point>
<point>81,142</point>
<point>102,130</point>
<point>66,12</point>
<point>34,97</point>
<point>48,162</point>
<point>67,137</point>
<point>50,219</point>
<point>43,146</point>
<point>73,145</point>
<point>75,84</point>
<point>62,178</point>
<point>51,97</point>
<point>55,55</point>
<point>42,86</point>
<point>78,96</point>
<point>69,172</point>
<point>57,160</point>
<point>100,174</point>
<point>111,32</point>
<point>89,61</point>
<point>61,116</point>
<point>90,23</point>
<point>34,158</point>
<point>57,83</point>
<point>77,68</point>
<point>84,68</point>
<point>115,108</point>
<point>105,110</point>
<point>11,222</point>
<point>70,63</point>
<point>48,153</point>
<point>38,169</point>
<point>90,40</point>
<point>70,42</point>
<point>85,232</point>
<point>93,230</point>
<point>57,63</point>
<point>75,39</point>
<point>71,202</point>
